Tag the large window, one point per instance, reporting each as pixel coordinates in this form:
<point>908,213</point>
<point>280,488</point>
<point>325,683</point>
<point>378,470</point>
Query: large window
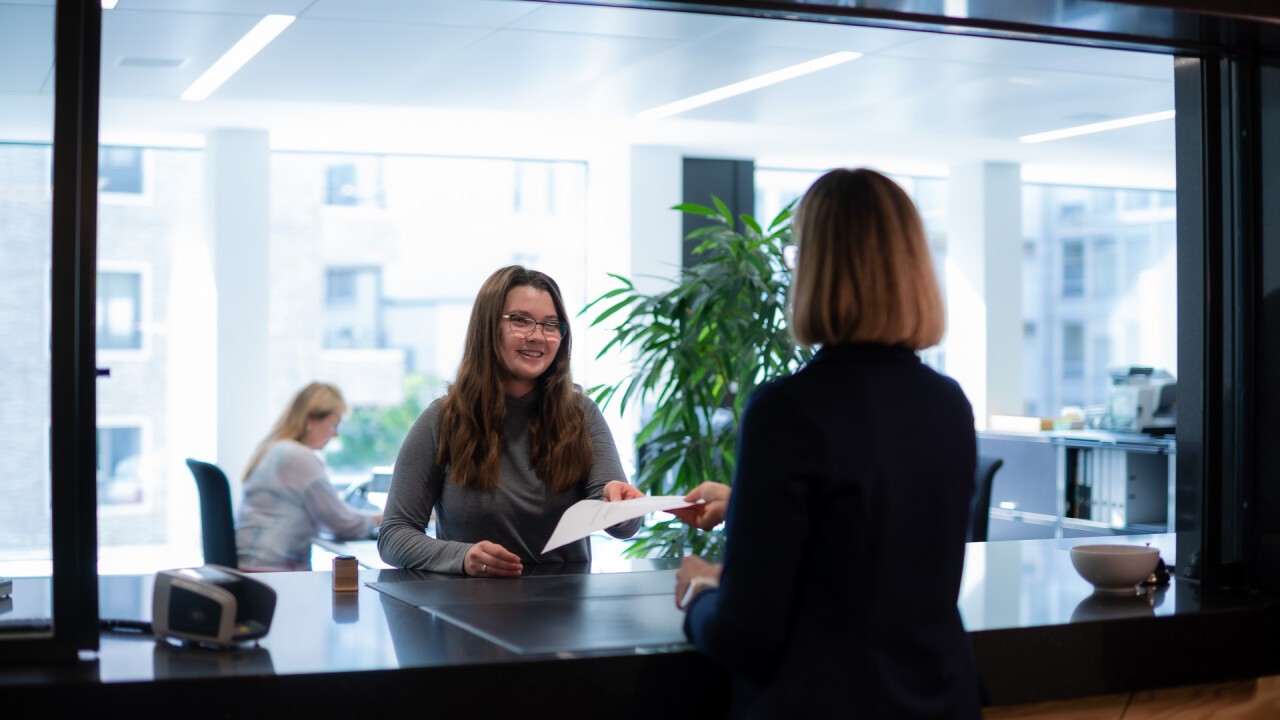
<point>507,132</point>
<point>400,275</point>
<point>1104,303</point>
<point>1114,252</point>
<point>25,257</point>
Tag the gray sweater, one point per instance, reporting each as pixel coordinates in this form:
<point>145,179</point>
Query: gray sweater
<point>519,514</point>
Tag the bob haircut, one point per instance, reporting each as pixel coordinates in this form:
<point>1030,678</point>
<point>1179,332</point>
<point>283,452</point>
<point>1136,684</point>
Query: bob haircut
<point>313,402</point>
<point>863,268</point>
<point>474,411</point>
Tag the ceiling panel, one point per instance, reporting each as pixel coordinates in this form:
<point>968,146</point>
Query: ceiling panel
<point>519,70</point>
<point>682,71</point>
<point>626,22</point>
<point>993,107</point>
<point>853,90</point>
<point>468,13</point>
<point>355,62</point>
<point>197,40</point>
<point>234,7</point>
<point>566,64</point>
<point>1012,55</point>
<point>820,38</point>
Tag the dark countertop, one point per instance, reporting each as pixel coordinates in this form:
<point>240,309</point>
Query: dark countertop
<point>1089,438</point>
<point>1038,634</point>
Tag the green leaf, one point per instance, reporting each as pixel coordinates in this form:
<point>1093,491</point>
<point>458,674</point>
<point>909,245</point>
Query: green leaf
<point>618,306</point>
<point>723,210</point>
<point>695,209</point>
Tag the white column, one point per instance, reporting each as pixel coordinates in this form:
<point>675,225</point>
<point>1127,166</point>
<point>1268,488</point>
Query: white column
<point>656,242</point>
<point>984,287</point>
<point>237,212</point>
<point>631,190</point>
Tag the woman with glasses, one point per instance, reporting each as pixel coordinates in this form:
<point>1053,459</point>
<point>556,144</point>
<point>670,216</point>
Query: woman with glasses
<point>846,524</point>
<point>512,445</point>
<point>287,494</point>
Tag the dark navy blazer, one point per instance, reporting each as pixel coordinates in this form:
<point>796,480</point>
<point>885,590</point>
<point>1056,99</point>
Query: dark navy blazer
<point>846,533</point>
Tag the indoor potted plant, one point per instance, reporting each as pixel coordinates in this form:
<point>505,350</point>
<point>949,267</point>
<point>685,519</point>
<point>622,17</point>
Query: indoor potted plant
<point>701,347</point>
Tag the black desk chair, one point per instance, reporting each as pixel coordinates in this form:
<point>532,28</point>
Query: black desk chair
<point>217,528</point>
<point>980,520</point>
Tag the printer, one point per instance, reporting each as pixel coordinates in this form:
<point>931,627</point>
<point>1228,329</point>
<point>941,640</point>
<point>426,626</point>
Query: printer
<point>1141,400</point>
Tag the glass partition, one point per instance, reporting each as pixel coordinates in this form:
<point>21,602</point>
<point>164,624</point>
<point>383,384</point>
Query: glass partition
<point>26,131</point>
<point>329,211</point>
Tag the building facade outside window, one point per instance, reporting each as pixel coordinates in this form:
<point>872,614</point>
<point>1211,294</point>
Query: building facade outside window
<point>119,311</point>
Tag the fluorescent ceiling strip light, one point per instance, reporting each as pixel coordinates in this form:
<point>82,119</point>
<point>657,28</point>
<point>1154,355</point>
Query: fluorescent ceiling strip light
<point>109,4</point>
<point>264,32</point>
<point>746,86</point>
<point>1097,127</point>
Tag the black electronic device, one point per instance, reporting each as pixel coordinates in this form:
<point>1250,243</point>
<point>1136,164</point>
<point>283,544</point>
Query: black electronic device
<point>211,605</point>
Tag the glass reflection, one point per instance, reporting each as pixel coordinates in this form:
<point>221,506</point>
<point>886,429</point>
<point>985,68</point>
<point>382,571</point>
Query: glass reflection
<point>26,129</point>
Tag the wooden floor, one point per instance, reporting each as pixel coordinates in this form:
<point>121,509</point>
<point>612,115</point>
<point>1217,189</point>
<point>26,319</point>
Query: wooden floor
<point>1245,700</point>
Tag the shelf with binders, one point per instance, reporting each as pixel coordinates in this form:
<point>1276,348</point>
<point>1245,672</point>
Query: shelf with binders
<point>1080,484</point>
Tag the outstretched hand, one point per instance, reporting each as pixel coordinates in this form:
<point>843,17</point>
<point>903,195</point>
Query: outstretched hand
<point>711,511</point>
<point>616,490</point>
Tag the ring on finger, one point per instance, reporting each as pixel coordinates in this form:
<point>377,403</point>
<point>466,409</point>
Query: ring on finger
<point>484,569</point>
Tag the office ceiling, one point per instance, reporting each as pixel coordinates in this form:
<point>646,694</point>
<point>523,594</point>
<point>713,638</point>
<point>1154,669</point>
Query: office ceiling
<point>516,77</point>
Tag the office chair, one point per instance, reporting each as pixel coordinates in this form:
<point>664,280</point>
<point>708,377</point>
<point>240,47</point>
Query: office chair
<point>217,528</point>
<point>980,518</point>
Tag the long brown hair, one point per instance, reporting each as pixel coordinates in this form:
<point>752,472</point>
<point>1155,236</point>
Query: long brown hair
<point>474,410</point>
<point>863,270</point>
<point>313,402</point>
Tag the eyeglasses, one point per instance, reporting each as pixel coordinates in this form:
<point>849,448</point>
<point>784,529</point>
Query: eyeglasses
<point>525,326</point>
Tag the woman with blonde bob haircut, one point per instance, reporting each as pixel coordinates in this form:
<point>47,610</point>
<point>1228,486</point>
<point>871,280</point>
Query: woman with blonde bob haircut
<point>287,494</point>
<point>850,505</point>
<point>863,268</point>
<point>512,445</point>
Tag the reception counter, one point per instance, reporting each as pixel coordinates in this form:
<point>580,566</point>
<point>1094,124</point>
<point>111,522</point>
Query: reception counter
<point>603,644</point>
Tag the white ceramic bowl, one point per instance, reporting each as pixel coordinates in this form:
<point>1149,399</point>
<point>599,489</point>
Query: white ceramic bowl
<point>1114,569</point>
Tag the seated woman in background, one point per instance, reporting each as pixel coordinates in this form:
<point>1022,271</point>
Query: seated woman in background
<point>511,446</point>
<point>287,494</point>
<point>846,525</point>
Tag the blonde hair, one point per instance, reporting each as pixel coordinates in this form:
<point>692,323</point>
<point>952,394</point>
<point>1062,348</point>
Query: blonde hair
<point>863,268</point>
<point>313,402</point>
<point>473,414</point>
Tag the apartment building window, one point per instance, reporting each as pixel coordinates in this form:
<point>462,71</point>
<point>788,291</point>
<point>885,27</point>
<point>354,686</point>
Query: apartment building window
<point>1072,268</point>
<point>357,182</point>
<point>1072,351</point>
<point>119,465</point>
<point>120,170</point>
<point>119,311</point>
<point>1103,263</point>
<point>353,308</point>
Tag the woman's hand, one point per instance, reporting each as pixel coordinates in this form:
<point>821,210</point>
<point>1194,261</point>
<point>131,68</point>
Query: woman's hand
<point>698,572</point>
<point>709,513</point>
<point>616,490</point>
<point>489,559</point>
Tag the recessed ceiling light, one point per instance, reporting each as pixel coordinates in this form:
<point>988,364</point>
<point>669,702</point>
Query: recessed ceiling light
<point>264,32</point>
<point>1097,127</point>
<point>746,86</point>
<point>109,4</point>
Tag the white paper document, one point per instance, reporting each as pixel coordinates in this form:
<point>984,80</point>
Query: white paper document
<point>587,516</point>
